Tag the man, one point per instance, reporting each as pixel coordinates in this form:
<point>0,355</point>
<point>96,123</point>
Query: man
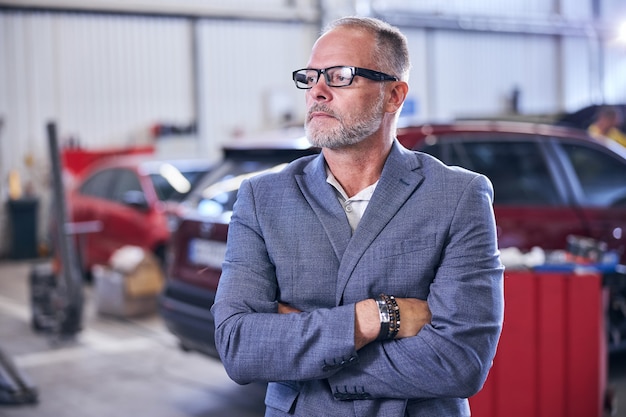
<point>607,122</point>
<point>334,265</point>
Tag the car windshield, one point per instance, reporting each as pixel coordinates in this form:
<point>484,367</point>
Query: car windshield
<point>215,194</point>
<point>172,183</point>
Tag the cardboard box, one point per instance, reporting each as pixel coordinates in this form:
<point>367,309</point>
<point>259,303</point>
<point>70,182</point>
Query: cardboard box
<point>129,285</point>
<point>142,273</point>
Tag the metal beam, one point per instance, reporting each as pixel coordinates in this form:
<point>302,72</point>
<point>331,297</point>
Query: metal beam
<point>179,8</point>
<point>548,26</point>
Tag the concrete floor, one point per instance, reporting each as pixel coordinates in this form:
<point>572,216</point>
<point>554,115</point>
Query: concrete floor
<point>114,367</point>
<point>131,367</point>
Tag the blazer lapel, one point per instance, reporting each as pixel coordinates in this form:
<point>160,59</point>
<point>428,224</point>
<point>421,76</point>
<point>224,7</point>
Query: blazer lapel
<point>322,198</point>
<point>398,181</point>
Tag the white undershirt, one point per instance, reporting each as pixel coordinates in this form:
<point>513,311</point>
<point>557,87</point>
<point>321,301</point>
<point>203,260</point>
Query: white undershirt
<point>355,206</point>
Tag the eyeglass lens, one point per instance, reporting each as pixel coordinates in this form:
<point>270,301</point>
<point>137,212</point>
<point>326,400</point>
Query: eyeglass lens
<point>335,77</point>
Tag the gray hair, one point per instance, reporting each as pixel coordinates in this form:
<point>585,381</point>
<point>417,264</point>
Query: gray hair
<point>391,48</point>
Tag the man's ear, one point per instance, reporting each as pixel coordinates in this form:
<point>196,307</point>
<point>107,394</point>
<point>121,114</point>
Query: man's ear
<point>396,97</point>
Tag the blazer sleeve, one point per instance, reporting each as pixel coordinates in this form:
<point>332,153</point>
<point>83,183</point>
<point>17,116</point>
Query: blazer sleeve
<point>256,343</point>
<point>451,357</point>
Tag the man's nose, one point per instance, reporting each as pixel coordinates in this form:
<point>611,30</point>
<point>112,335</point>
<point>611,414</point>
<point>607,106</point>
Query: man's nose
<point>320,90</point>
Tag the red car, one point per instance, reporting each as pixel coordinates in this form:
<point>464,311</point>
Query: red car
<point>126,200</point>
<point>549,182</point>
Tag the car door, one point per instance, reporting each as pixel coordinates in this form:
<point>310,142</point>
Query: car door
<point>530,203</point>
<point>598,178</point>
<point>86,206</point>
<point>127,220</point>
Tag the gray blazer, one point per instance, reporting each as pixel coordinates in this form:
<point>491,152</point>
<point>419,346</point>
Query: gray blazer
<point>428,232</point>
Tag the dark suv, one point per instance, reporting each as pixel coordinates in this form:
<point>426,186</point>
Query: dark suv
<point>198,245</point>
<point>549,182</point>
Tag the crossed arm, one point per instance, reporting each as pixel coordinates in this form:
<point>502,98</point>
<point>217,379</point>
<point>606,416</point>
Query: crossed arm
<point>414,315</point>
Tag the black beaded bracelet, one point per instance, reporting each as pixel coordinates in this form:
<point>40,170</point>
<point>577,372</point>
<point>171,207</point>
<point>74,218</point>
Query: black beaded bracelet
<point>389,313</point>
<point>394,315</point>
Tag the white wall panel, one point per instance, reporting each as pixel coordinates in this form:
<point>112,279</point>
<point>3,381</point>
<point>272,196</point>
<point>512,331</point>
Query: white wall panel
<point>579,71</point>
<point>100,78</point>
<point>245,66</point>
<point>613,10</point>
<point>476,74</point>
<point>122,74</point>
<point>419,77</point>
<point>22,148</point>
<point>615,75</point>
<point>575,9</point>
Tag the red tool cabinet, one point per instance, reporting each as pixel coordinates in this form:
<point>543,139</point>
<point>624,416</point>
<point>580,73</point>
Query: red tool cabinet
<point>551,359</point>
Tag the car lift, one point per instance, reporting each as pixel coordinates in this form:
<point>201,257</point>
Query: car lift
<point>58,303</point>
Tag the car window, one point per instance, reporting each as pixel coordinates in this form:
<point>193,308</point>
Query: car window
<point>215,193</point>
<point>172,183</point>
<point>98,185</point>
<point>517,170</point>
<point>216,196</point>
<point>602,176</point>
<point>125,180</point>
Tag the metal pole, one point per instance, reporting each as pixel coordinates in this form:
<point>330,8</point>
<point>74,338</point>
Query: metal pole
<point>71,286</point>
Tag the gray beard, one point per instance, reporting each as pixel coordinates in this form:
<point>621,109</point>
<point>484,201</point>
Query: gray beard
<point>342,135</point>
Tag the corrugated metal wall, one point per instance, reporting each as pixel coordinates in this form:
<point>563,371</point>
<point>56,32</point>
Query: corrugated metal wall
<point>99,77</point>
<point>106,77</point>
<point>530,66</point>
<point>245,76</point>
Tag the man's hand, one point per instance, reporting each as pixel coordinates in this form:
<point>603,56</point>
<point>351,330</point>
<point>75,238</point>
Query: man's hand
<point>286,309</point>
<point>414,314</point>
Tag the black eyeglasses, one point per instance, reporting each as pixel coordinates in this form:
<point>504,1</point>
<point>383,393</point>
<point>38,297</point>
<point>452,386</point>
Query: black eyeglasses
<point>339,76</point>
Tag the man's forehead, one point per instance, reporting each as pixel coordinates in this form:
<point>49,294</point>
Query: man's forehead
<point>342,46</point>
<point>345,32</point>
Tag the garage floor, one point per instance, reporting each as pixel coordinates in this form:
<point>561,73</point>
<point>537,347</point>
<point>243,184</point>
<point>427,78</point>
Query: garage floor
<point>121,367</point>
<point>114,367</point>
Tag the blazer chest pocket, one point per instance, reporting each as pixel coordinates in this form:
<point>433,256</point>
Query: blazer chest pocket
<point>391,248</point>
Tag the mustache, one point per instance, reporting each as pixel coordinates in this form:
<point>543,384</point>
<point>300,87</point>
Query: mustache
<point>320,108</point>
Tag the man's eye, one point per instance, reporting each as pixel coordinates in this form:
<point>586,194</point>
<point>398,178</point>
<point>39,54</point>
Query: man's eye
<point>339,78</point>
<point>310,77</point>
